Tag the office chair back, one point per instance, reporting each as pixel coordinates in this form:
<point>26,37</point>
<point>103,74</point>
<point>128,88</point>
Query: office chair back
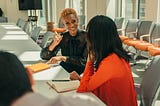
<point>131,26</point>
<point>143,28</point>
<point>119,22</point>
<point>18,21</point>
<point>155,32</point>
<point>3,19</point>
<point>27,27</point>
<point>150,85</point>
<point>47,39</point>
<point>35,33</point>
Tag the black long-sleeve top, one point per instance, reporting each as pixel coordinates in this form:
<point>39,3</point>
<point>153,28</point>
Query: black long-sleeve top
<point>74,47</point>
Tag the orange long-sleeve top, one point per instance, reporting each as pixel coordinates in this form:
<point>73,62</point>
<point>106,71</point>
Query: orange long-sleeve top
<point>112,82</point>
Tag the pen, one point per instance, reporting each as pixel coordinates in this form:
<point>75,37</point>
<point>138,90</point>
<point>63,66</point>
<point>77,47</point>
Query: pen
<point>61,80</point>
<point>56,33</point>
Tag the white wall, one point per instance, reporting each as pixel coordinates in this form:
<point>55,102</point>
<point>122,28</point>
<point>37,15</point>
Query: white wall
<point>60,7</point>
<point>11,10</point>
<point>95,7</point>
<point>111,12</point>
<point>3,6</point>
<point>151,10</point>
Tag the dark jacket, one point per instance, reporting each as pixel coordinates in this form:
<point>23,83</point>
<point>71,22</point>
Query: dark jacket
<point>74,47</point>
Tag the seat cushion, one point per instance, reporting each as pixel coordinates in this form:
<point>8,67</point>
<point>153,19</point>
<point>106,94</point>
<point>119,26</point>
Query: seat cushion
<point>59,30</point>
<point>154,50</point>
<point>142,46</point>
<point>131,42</point>
<point>122,37</point>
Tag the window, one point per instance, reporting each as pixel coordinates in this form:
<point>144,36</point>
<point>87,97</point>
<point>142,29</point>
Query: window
<point>130,10</point>
<point>141,9</point>
<point>42,15</point>
<point>49,11</point>
<point>133,9</point>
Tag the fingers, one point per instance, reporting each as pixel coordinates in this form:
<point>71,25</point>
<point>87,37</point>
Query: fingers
<point>74,76</point>
<point>56,32</point>
<point>58,38</point>
<point>57,35</point>
<point>53,60</point>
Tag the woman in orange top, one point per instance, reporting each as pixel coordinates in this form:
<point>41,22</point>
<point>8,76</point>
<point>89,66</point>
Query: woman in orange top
<point>107,73</point>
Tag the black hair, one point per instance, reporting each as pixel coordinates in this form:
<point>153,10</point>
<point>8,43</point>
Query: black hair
<point>14,80</point>
<point>103,39</point>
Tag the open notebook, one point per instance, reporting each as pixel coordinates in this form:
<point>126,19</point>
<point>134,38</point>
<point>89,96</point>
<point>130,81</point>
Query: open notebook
<point>38,67</point>
<point>63,85</point>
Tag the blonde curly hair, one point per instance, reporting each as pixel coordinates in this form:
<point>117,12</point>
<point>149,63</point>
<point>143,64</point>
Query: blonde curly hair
<point>68,11</point>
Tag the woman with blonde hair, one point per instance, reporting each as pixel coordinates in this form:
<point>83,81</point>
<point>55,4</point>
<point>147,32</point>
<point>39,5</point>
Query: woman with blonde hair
<point>72,44</point>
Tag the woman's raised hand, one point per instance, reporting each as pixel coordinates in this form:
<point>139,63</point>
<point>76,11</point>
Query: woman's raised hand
<point>57,39</point>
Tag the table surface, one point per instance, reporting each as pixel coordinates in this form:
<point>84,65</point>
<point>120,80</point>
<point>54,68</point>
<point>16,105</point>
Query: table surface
<point>13,39</point>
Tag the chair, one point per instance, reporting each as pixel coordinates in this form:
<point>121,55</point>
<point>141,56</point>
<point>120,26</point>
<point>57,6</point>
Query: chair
<point>130,28</point>
<point>150,85</point>
<point>47,39</point>
<point>146,40</point>
<point>27,27</point>
<point>35,33</point>
<point>3,19</point>
<point>81,23</point>
<point>119,24</point>
<point>20,23</point>
<point>150,43</point>
<point>155,49</point>
<point>143,28</point>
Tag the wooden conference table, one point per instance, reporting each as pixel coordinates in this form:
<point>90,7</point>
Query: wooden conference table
<point>13,39</point>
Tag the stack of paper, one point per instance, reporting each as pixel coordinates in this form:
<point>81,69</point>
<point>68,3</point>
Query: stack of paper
<point>64,85</point>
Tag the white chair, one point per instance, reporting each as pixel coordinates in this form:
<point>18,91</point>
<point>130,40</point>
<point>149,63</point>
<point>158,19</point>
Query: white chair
<point>47,39</point>
<point>20,23</point>
<point>27,27</point>
<point>119,24</point>
<point>3,19</point>
<point>35,33</point>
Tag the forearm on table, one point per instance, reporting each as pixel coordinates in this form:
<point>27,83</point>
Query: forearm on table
<point>76,60</point>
